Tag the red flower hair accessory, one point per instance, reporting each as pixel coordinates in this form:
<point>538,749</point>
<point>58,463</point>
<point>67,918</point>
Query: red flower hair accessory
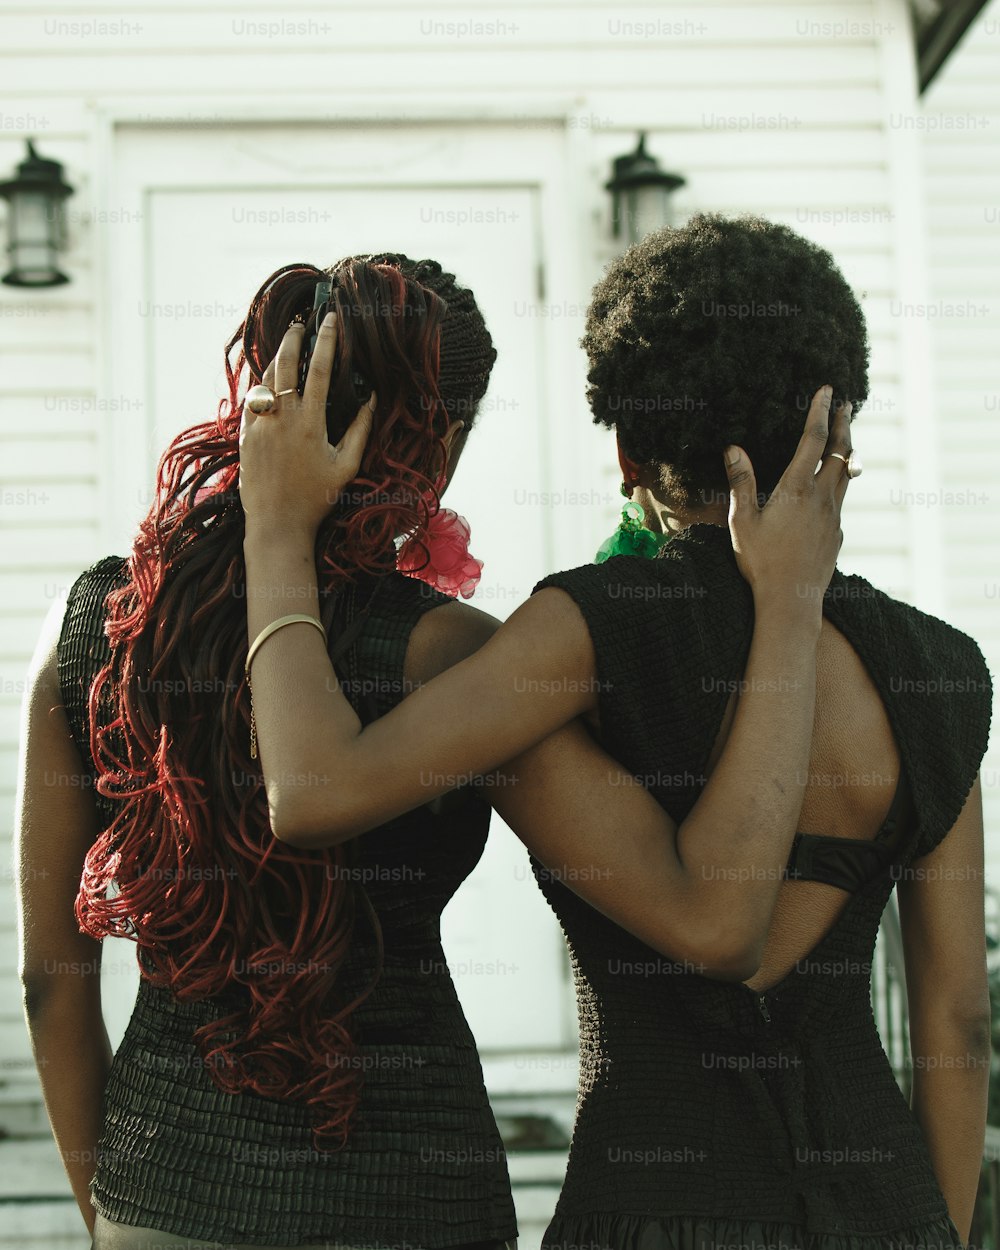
<point>440,557</point>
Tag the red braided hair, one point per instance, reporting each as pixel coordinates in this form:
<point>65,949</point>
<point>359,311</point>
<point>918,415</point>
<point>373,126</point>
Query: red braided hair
<point>207,892</point>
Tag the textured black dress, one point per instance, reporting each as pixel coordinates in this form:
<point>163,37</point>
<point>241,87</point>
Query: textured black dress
<point>710,1115</point>
<point>425,1165</point>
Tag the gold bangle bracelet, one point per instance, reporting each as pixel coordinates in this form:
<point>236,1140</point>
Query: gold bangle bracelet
<point>264,634</point>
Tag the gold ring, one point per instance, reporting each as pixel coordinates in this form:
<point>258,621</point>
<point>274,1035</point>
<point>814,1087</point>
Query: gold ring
<point>260,399</point>
<point>292,390</point>
<point>852,463</point>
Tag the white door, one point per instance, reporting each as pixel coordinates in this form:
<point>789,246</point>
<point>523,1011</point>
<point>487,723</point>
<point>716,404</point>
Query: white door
<point>201,248</point>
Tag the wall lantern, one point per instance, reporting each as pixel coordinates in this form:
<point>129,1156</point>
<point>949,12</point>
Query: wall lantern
<point>36,225</point>
<point>640,194</point>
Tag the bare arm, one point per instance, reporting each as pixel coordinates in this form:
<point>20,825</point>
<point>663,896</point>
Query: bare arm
<point>944,943</point>
<point>60,968</point>
<point>702,892</point>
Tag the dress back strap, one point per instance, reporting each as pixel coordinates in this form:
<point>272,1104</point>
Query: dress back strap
<point>849,863</point>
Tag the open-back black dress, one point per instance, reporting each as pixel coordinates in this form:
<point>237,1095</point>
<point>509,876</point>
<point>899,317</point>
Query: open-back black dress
<point>425,1166</point>
<point>710,1115</point>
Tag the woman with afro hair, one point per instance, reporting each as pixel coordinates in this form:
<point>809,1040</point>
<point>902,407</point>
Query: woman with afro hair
<point>297,1070</point>
<point>750,1104</point>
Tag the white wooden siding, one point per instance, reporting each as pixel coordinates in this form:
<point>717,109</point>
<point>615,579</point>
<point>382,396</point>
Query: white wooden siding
<point>961,147</point>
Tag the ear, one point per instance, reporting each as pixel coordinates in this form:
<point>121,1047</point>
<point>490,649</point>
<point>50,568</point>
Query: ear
<point>454,442</point>
<point>630,470</point>
<point>451,434</point>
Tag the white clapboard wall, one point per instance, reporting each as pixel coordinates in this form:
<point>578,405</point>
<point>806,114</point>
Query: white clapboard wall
<point>962,189</point>
<point>800,110</point>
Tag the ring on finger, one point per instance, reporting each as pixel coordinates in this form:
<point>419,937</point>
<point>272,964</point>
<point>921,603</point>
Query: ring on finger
<point>852,463</point>
<point>260,399</point>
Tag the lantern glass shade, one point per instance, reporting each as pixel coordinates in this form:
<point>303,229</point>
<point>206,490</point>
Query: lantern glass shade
<point>36,226</point>
<point>641,195</point>
<point>36,232</point>
<point>645,209</point>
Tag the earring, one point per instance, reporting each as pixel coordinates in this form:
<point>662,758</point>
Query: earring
<point>625,490</point>
<point>631,538</point>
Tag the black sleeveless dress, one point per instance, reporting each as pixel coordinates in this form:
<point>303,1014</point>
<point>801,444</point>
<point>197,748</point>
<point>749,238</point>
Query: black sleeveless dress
<point>425,1165</point>
<point>711,1115</point>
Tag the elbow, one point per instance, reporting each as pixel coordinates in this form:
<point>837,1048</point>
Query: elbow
<point>732,962</point>
<point>306,839</point>
<point>730,951</point>
<point>973,1028</point>
<point>53,993</point>
<point>728,945</point>
<point>36,991</point>
<point>307,828</point>
<point>954,1033</point>
<point>969,1010</point>
<point>717,954</point>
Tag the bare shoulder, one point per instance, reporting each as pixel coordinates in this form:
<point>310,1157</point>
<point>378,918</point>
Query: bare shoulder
<point>444,637</point>
<point>43,670</point>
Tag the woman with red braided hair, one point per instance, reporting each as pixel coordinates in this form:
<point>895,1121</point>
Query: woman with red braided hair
<point>297,1070</point>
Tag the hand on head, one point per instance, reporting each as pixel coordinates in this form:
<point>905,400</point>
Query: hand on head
<point>788,548</point>
<point>290,473</point>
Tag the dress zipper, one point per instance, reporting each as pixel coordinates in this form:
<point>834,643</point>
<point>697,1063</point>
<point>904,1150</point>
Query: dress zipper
<point>762,1004</point>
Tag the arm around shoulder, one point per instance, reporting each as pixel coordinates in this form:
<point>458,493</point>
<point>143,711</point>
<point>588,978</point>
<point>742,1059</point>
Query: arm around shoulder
<point>529,678</point>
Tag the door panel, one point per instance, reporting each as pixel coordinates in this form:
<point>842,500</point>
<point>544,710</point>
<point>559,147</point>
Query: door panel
<point>205,252</point>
